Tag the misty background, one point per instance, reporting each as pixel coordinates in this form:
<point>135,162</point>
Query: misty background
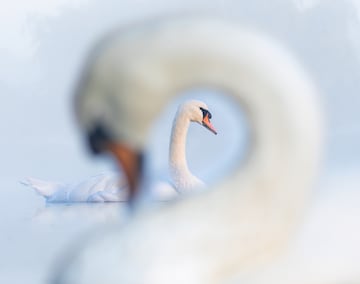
<point>43,46</point>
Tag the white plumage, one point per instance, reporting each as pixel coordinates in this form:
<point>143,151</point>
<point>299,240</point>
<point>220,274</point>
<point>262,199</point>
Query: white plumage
<point>242,223</point>
<point>110,187</point>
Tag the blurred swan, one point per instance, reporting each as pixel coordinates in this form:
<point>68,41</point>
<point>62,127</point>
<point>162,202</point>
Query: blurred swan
<point>107,188</point>
<point>238,225</point>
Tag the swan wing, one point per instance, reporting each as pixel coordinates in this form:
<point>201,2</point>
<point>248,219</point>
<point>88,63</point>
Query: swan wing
<point>42,187</point>
<point>100,188</point>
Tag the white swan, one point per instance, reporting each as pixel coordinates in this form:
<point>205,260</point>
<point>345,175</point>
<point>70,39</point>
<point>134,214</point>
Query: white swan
<point>181,176</point>
<point>99,188</point>
<point>244,221</point>
<point>107,187</point>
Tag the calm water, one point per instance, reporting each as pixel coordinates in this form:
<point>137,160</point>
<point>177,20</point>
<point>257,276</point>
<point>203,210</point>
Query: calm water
<point>35,234</point>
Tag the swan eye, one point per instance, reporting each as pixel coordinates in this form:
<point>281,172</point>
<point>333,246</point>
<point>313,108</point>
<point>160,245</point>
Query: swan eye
<point>205,112</point>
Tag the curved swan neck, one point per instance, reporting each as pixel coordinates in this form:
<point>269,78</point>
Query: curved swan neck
<point>177,156</point>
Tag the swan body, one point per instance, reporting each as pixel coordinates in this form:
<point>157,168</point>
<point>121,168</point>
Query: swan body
<point>100,188</point>
<point>106,187</point>
<point>238,225</point>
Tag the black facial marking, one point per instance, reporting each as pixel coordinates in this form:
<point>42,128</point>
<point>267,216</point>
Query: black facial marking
<point>97,139</point>
<point>205,112</point>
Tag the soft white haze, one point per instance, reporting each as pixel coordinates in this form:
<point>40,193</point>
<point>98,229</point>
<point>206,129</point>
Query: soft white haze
<point>43,45</point>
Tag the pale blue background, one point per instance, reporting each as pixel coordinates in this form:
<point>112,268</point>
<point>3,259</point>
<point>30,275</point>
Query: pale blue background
<point>43,45</point>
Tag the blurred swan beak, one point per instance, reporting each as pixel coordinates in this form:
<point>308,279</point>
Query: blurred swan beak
<point>206,123</point>
<point>130,162</point>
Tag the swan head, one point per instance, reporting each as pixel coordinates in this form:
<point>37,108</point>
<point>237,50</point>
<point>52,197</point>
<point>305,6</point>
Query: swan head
<point>198,111</point>
<point>132,75</point>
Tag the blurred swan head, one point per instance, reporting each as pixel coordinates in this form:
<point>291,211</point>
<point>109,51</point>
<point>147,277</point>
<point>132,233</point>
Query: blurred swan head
<point>133,74</point>
<point>246,219</point>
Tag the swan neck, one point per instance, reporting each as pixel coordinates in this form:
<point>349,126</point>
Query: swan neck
<point>177,155</point>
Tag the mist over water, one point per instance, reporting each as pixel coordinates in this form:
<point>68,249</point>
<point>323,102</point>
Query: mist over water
<point>44,46</point>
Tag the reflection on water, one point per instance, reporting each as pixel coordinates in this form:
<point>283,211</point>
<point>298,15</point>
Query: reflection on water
<point>34,234</point>
<point>88,212</point>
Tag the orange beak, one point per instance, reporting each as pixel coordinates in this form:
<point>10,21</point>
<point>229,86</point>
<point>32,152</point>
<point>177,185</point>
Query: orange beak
<point>206,122</point>
<point>131,163</point>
